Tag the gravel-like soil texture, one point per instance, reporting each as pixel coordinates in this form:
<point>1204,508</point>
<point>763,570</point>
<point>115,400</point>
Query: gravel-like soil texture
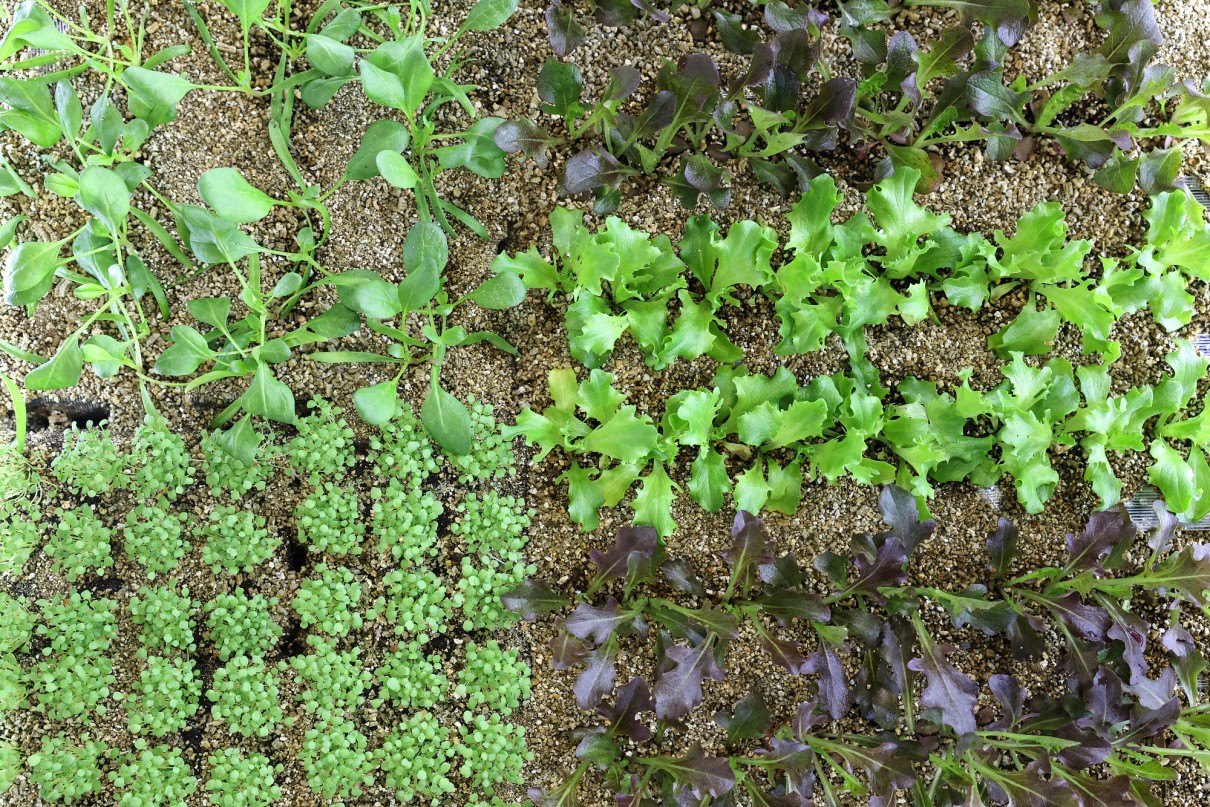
<point>370,220</point>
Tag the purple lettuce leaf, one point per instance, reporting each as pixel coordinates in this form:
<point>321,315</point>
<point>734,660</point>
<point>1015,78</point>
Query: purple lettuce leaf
<point>952,693</point>
<point>634,698</point>
<point>533,598</point>
<point>704,776</point>
<point>750,548</point>
<point>900,513</point>
<point>885,570</point>
<point>567,651</point>
<point>749,719</point>
<point>597,623</point>
<point>1107,535</point>
<point>631,555</point>
<point>596,680</point>
<point>1002,547</point>
<point>678,691</point>
<point>833,689</point>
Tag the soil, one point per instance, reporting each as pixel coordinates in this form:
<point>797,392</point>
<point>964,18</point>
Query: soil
<point>369,222</point>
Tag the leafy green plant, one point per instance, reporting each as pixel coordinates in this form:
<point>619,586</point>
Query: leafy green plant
<point>154,538</point>
<point>415,602</point>
<point>334,756</point>
<point>241,625</point>
<point>832,421</point>
<point>416,758</point>
<point>236,540</point>
<point>404,517</point>
<point>166,698</point>
<point>493,523</point>
<point>157,777</point>
<point>336,681</point>
<point>402,449</point>
<point>494,678</point>
<point>12,686</point>
<point>10,765</point>
<point>160,462</point>
<point>244,695</point>
<point>398,73</point>
<point>80,543</point>
<point>237,477</point>
<point>67,771</point>
<point>491,455</point>
<point>492,751</point>
<point>18,625</point>
<point>89,462</point>
<point>330,602</point>
<point>166,619</point>
<point>411,679</point>
<point>324,444</point>
<point>420,293</point>
<point>482,582</point>
<point>241,780</point>
<point>329,520</point>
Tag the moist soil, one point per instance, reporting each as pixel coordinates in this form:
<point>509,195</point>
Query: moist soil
<point>369,222</point>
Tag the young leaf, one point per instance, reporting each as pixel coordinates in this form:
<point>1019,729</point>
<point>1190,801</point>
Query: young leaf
<point>379,403</point>
<point>105,195</point>
<point>499,292</point>
<point>63,370</point>
<point>749,719</point>
<point>383,135</point>
<point>531,599</point>
<point>679,690</point>
<point>447,421</point>
<point>232,196</point>
<point>489,14</point>
<point>153,95</point>
<point>268,397</point>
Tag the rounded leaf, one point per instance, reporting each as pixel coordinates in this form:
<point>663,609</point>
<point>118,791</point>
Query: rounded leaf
<point>489,14</point>
<point>378,404</point>
<point>232,196</point>
<point>499,292</point>
<point>396,170</point>
<point>447,421</point>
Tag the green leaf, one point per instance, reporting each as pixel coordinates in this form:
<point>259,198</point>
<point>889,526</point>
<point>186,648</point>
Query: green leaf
<point>29,271</point>
<point>1174,477</point>
<point>425,242</point>
<point>447,421</point>
<point>396,170</point>
<point>383,87</point>
<point>232,196</point>
<point>268,397</point>
<point>62,371</point>
<point>419,288</point>
<point>489,14</point>
<point>210,310</point>
<point>653,503</point>
<point>499,292</point>
<point>624,436</point>
<point>248,11</point>
<point>383,135</point>
<point>105,195</point>
<point>405,62</point>
<point>329,56</point>
<point>188,351</point>
<point>241,440</point>
<point>708,481</point>
<point>367,293</point>
<point>478,152</point>
<point>378,404</point>
<point>154,96</point>
<point>26,107</point>
<point>1033,332</point>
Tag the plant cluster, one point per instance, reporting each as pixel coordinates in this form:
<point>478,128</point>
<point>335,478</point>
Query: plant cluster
<point>245,697</point>
<point>80,542</point>
<point>167,696</point>
<point>236,540</point>
<point>415,758</point>
<point>157,777</point>
<point>241,780</point>
<point>335,759</point>
<point>89,463</point>
<point>1104,108</point>
<point>241,625</point>
<point>835,280</point>
<point>166,618</point>
<point>155,538</point>
<point>67,772</point>
<point>240,338</point>
<point>336,680</point>
<point>924,736</point>
<point>330,602</point>
<point>329,520</point>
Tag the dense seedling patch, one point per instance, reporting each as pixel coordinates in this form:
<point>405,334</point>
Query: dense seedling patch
<point>356,633</point>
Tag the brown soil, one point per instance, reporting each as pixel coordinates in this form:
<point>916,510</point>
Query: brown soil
<point>370,220</point>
